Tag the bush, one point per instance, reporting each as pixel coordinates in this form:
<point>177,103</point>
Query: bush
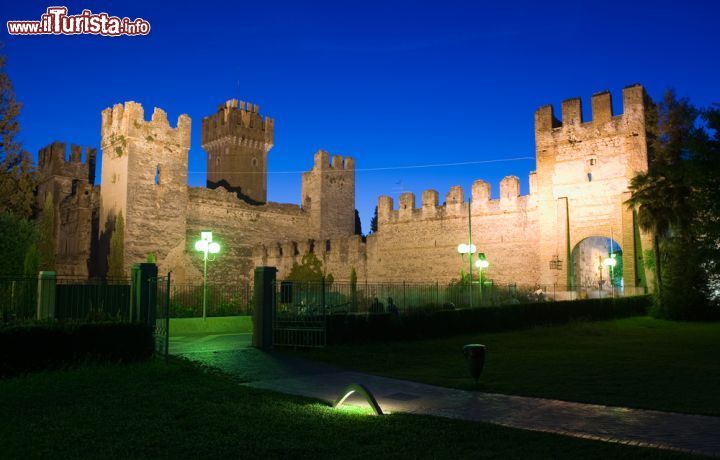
<point>34,347</point>
<point>368,327</point>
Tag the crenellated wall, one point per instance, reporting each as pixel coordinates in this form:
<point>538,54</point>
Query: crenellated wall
<point>577,191</point>
<point>418,243</point>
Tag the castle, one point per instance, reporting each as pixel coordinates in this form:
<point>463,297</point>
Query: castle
<point>553,235</point>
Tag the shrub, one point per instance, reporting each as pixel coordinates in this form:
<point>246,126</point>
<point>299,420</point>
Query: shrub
<point>344,328</point>
<point>40,346</point>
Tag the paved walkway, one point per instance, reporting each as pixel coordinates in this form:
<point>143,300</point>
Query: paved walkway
<point>288,374</point>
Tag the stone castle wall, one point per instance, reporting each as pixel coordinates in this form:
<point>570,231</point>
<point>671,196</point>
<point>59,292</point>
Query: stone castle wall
<point>577,191</point>
<point>419,243</point>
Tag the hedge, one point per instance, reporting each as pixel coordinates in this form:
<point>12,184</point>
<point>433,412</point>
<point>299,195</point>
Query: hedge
<point>346,328</point>
<point>40,346</point>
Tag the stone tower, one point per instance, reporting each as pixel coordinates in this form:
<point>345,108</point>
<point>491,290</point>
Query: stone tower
<point>584,169</point>
<point>328,194</point>
<point>70,182</point>
<point>237,140</point>
<point>144,176</point>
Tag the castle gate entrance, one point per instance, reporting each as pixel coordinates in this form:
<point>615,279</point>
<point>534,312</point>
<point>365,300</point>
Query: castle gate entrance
<point>597,266</point>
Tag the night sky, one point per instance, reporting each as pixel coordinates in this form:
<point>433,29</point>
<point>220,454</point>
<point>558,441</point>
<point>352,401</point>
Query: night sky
<point>390,83</point>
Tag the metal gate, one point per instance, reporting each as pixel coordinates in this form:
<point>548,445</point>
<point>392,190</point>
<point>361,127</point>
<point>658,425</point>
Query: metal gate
<point>159,314</point>
<point>299,314</point>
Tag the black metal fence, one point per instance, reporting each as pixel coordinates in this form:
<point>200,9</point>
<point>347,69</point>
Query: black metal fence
<point>308,298</point>
<point>159,312</point>
<point>186,300</point>
<point>18,298</point>
<point>299,314</point>
<point>92,300</point>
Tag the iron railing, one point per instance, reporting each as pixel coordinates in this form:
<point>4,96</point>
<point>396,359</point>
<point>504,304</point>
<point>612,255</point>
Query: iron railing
<point>18,298</point>
<point>409,298</point>
<point>92,300</point>
<point>186,299</point>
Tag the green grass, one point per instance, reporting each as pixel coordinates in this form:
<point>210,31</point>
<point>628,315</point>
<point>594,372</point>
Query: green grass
<point>154,410</point>
<point>635,362</point>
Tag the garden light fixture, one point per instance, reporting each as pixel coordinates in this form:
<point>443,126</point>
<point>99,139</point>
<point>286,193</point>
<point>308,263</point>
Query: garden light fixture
<point>364,392</point>
<point>206,245</point>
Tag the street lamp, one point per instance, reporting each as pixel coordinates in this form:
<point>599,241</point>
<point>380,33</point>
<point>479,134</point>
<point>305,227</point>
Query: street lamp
<point>206,245</point>
<point>611,262</point>
<point>481,264</point>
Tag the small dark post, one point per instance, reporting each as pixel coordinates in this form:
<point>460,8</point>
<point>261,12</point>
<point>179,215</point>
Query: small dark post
<point>263,298</point>
<point>475,358</point>
<point>143,310</point>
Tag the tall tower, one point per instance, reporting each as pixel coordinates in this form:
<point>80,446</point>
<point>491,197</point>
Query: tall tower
<point>144,176</point>
<point>584,168</point>
<point>328,194</point>
<point>237,140</point>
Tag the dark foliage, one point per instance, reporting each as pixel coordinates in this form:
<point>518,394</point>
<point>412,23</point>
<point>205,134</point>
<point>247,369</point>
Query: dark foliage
<point>34,347</point>
<point>368,327</point>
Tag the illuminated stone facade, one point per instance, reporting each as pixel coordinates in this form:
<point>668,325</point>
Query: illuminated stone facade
<point>577,192</point>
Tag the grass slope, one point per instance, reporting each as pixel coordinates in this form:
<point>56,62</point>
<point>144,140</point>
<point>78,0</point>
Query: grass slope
<point>153,410</point>
<point>635,362</point>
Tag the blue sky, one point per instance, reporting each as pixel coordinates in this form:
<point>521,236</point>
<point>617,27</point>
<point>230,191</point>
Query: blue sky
<point>391,83</point>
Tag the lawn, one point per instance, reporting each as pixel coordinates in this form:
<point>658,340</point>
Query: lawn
<point>154,410</point>
<point>636,362</point>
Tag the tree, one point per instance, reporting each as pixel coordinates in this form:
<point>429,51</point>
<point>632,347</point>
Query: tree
<point>353,288</point>
<point>31,265</point>
<point>16,235</point>
<point>677,200</point>
<point>310,269</point>
<point>18,178</point>
<point>116,257</point>
<point>374,221</point>
<point>46,236</point>
<point>358,223</point>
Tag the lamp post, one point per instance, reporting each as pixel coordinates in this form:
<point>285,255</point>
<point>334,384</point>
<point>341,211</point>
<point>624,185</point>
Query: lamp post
<point>610,262</point>
<point>481,264</point>
<point>468,249</point>
<point>206,245</point>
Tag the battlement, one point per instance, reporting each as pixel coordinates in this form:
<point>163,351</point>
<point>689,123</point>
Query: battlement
<point>455,204</point>
<point>336,254</point>
<point>123,121</point>
<point>53,159</point>
<point>240,123</point>
<point>602,113</point>
<point>324,162</point>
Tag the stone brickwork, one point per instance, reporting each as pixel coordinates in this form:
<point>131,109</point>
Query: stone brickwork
<point>70,182</point>
<point>144,176</point>
<point>237,139</point>
<point>577,192</point>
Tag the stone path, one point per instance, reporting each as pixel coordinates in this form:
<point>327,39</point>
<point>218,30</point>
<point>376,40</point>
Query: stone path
<point>287,374</point>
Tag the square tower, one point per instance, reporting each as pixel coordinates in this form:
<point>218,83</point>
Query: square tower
<point>144,176</point>
<point>237,140</point>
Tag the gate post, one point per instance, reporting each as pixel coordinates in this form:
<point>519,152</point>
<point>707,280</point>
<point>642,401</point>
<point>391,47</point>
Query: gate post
<point>263,299</point>
<point>46,296</point>
<point>141,295</point>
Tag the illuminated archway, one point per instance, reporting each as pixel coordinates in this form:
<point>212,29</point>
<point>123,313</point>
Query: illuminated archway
<point>592,267</point>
